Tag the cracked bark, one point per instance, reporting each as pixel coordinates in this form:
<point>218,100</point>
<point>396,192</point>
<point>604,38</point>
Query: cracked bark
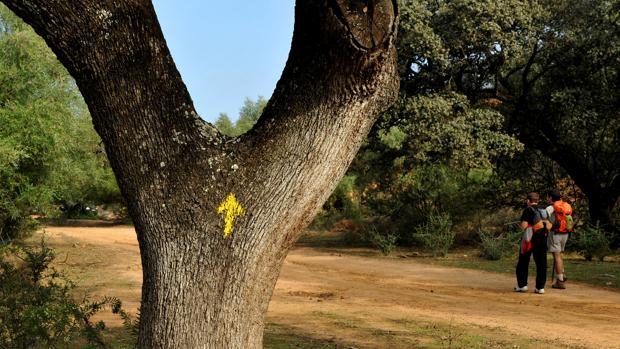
<point>201,290</point>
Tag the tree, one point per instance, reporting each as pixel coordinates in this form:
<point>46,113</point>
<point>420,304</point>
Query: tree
<point>248,116</point>
<point>49,151</point>
<point>566,98</point>
<point>549,67</point>
<point>203,287</point>
<point>224,125</point>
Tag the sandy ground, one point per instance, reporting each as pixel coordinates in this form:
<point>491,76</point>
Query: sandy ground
<point>372,302</point>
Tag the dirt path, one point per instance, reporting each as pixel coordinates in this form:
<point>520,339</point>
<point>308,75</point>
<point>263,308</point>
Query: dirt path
<point>374,302</point>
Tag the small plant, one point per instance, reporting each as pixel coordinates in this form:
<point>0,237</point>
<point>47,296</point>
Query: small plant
<point>131,324</point>
<point>436,236</point>
<point>495,247</point>
<point>386,243</point>
<point>591,241</point>
<point>36,306</point>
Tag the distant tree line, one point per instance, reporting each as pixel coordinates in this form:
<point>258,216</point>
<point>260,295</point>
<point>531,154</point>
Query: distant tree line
<point>248,116</point>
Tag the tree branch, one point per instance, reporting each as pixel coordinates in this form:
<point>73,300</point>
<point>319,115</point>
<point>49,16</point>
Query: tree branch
<point>117,54</point>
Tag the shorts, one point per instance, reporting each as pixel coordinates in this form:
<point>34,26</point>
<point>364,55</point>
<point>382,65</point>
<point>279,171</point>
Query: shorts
<point>556,242</point>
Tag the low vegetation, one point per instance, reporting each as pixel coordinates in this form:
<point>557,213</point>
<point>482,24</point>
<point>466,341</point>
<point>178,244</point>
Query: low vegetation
<point>37,308</point>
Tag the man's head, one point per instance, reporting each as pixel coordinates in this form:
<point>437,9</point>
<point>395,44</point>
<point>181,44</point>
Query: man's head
<point>554,195</point>
<point>532,198</point>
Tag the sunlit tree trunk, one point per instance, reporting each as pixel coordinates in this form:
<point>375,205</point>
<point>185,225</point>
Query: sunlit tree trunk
<point>206,286</point>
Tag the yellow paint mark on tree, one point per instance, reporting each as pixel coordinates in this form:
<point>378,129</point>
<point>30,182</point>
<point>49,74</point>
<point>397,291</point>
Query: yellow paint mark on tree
<point>229,209</point>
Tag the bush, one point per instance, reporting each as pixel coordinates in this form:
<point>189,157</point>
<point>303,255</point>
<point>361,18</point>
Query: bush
<point>386,243</point>
<point>17,228</point>
<point>591,241</point>
<point>495,247</point>
<point>436,236</point>
<point>344,203</point>
<point>36,307</point>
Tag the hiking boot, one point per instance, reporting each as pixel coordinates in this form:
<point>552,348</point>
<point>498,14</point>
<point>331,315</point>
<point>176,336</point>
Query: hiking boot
<point>539,290</point>
<point>558,284</point>
<point>520,289</point>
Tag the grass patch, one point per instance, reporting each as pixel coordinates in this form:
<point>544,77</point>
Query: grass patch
<point>278,336</point>
<point>606,274</point>
<point>408,333</point>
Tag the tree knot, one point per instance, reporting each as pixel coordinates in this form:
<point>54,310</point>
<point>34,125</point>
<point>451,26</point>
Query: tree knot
<point>370,22</point>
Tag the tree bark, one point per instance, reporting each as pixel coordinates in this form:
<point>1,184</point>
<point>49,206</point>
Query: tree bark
<point>202,289</point>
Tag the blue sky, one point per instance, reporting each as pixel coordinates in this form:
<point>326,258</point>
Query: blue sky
<point>227,50</point>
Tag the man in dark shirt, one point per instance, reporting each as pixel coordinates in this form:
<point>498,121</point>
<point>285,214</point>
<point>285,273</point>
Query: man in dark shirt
<point>533,218</point>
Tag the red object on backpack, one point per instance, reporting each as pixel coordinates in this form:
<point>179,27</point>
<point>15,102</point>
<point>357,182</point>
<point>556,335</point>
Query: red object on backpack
<point>561,210</point>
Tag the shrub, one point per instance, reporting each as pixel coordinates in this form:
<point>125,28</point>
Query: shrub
<point>436,235</point>
<point>17,228</point>
<point>386,243</point>
<point>494,247</point>
<point>344,203</point>
<point>591,241</point>
<point>36,307</point>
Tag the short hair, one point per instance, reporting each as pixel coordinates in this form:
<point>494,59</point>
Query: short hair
<point>533,197</point>
<point>555,194</point>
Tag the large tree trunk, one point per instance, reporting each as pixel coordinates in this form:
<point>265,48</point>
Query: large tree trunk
<point>203,289</point>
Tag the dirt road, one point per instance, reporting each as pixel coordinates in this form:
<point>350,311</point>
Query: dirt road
<point>375,302</point>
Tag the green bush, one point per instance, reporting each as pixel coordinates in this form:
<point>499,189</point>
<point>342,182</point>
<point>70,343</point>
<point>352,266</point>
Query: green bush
<point>436,235</point>
<point>343,204</point>
<point>17,227</point>
<point>494,247</point>
<point>36,306</point>
<point>591,241</point>
<point>386,243</point>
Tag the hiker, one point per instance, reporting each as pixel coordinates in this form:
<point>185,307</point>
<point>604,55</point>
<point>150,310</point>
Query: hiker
<point>535,224</point>
<point>560,213</point>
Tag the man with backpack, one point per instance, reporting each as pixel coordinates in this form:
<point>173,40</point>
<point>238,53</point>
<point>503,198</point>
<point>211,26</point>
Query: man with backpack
<point>535,224</point>
<point>560,213</point>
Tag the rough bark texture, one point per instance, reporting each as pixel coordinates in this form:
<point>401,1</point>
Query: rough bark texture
<point>202,290</point>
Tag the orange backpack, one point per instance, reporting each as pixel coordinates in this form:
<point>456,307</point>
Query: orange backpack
<point>563,217</point>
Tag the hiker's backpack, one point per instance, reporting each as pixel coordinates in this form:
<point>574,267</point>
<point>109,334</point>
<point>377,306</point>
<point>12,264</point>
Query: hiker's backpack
<point>541,220</point>
<point>563,217</point>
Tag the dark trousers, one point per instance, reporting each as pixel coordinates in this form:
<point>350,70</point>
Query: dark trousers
<point>539,251</point>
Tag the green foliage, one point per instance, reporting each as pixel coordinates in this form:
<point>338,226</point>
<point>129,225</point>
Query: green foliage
<point>386,243</point>
<point>224,124</point>
<point>494,246</point>
<point>548,67</point>
<point>248,116</point>
<point>49,151</point>
<point>345,198</point>
<point>445,127</point>
<point>475,75</point>
<point>131,324</point>
<point>36,306</point>
<point>436,235</point>
<point>401,199</point>
<point>344,203</point>
<point>590,241</point>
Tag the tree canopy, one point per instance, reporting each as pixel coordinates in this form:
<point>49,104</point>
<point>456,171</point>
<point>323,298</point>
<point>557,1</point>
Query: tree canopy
<point>549,68</point>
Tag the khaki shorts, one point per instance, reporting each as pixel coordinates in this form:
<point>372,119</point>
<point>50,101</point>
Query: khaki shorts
<point>556,242</point>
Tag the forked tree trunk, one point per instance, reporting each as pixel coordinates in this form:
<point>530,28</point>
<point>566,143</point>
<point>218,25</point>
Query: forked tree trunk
<point>202,289</point>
